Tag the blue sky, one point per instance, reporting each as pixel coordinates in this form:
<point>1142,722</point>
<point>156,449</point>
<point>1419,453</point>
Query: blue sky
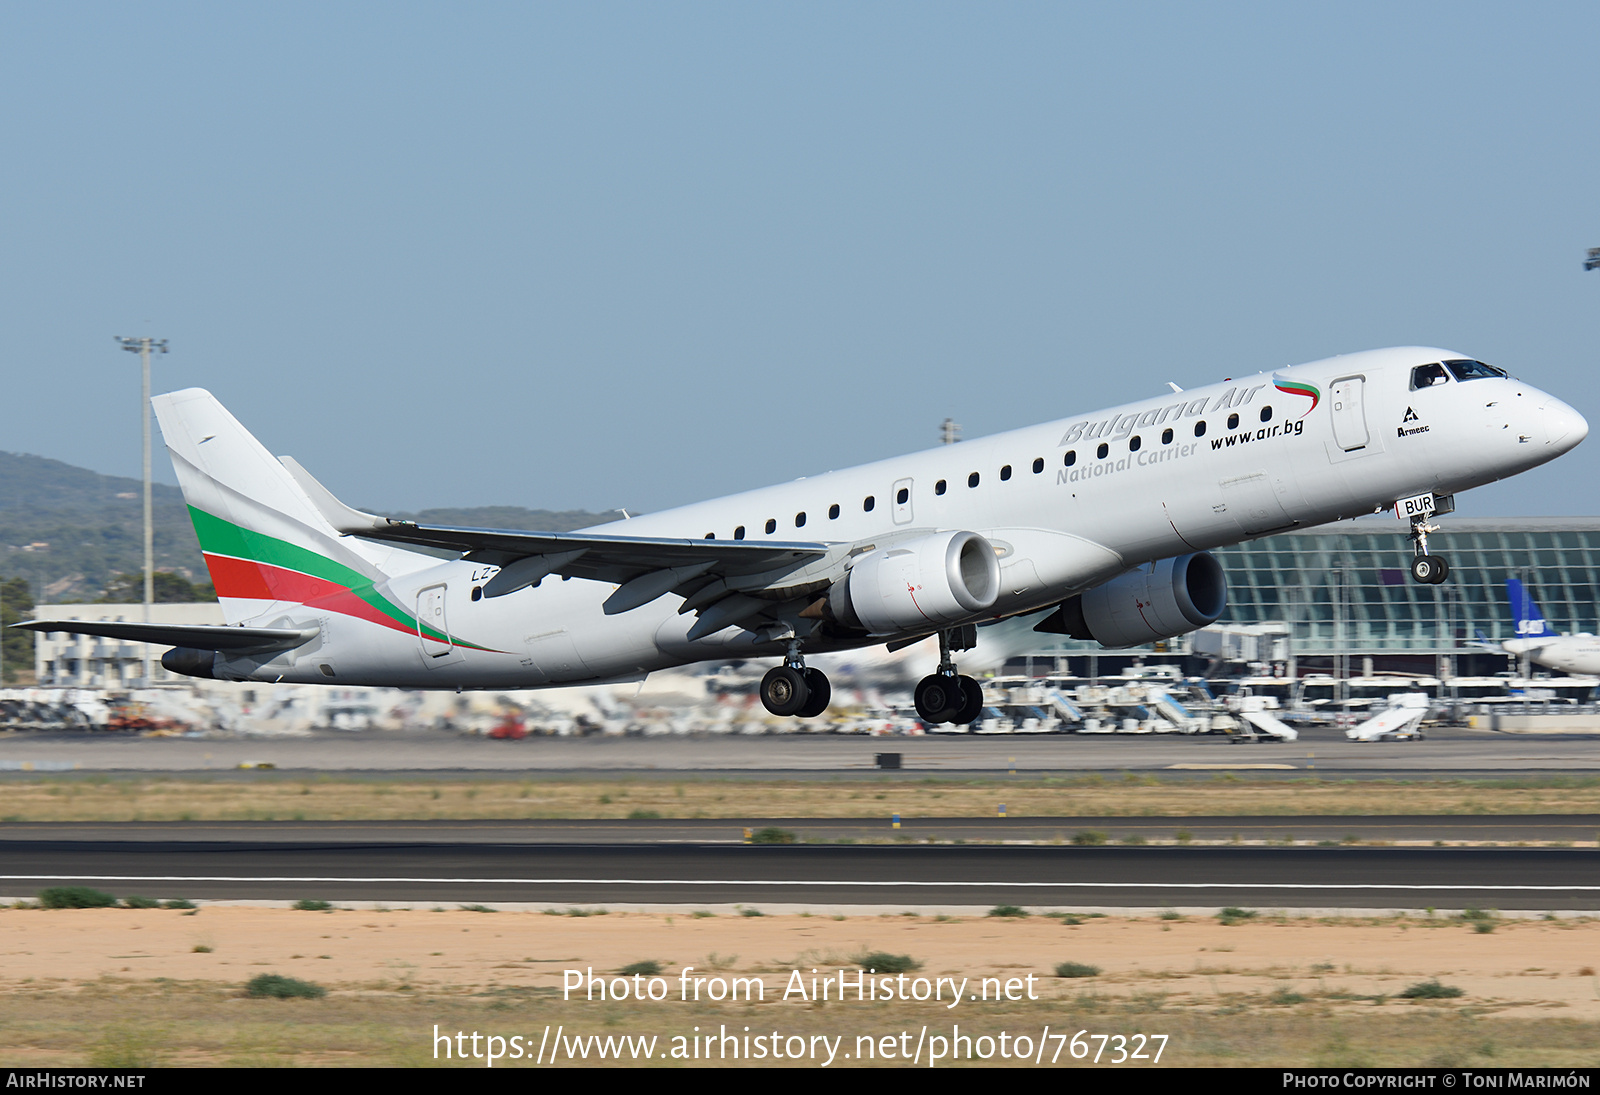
<point>596,255</point>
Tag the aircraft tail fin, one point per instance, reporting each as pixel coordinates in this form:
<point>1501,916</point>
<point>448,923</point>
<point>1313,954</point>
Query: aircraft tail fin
<point>1530,622</point>
<point>268,544</point>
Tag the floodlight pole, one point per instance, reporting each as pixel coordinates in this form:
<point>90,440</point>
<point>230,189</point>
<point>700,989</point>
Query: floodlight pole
<point>142,346</point>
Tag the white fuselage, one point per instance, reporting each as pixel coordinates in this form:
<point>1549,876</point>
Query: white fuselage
<point>1575,654</point>
<point>1068,505</point>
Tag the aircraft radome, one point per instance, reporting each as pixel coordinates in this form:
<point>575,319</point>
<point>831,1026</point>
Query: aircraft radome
<point>1102,519</point>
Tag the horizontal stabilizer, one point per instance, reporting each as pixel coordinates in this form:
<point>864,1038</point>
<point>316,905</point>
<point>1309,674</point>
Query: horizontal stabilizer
<point>235,640</point>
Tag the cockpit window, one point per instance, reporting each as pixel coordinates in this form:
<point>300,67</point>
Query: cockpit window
<point>1473,370</point>
<point>1426,376</point>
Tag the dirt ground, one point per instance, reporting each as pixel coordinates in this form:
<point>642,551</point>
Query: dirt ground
<point>161,986</point>
<point>272,797</point>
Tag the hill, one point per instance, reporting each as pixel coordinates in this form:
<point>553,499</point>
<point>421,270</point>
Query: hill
<point>69,531</point>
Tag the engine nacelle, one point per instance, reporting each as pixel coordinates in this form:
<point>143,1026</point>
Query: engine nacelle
<point>1156,601</point>
<point>932,581</point>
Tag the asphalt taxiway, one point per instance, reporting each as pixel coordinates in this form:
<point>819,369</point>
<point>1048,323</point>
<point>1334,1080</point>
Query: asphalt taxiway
<point>445,870</point>
<point>1325,752</point>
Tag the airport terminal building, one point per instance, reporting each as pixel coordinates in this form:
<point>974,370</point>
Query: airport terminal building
<point>1344,588</point>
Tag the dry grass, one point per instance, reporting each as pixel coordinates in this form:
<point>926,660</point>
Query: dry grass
<point>205,1024</point>
<point>82,986</point>
<point>272,798</point>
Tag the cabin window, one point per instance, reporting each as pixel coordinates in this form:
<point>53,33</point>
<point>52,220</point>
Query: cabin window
<point>902,496</point>
<point>867,503</point>
<point>1200,428</point>
<point>1266,413</point>
<point>972,480</point>
<point>938,488</point>
<point>738,533</point>
<point>477,593</point>
<point>800,520</point>
<point>1233,422</point>
<point>1038,464</point>
<point>1005,473</point>
<point>1102,450</point>
<point>1166,437</point>
<point>1070,459</point>
<point>833,512</point>
<point>711,536</point>
<point>772,525</point>
<point>1134,443</point>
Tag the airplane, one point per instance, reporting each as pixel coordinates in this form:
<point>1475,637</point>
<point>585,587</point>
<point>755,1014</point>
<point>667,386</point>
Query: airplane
<point>1100,520</point>
<point>1579,654</point>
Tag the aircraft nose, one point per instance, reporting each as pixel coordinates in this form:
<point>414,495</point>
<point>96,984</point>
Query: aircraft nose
<point>1563,426</point>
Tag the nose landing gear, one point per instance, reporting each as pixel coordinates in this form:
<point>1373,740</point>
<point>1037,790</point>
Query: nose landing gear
<point>1425,568</point>
<point>792,689</point>
<point>944,696</point>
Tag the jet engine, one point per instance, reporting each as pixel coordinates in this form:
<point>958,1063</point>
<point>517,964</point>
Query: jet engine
<point>932,581</point>
<point>1155,601</point>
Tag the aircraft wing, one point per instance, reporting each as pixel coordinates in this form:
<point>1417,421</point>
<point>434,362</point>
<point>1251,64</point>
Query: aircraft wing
<point>195,636</point>
<point>646,567</point>
<point>605,558</point>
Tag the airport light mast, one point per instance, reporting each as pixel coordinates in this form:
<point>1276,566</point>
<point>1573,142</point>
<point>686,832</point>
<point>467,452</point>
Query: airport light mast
<point>143,347</point>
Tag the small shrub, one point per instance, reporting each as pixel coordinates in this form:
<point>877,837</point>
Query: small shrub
<point>751,912</point>
<point>701,914</point>
<point>1431,990</point>
<point>308,904</point>
<point>648,815</point>
<point>200,948</point>
<point>648,968</point>
<point>179,903</point>
<point>1287,996</point>
<point>883,962</point>
<point>772,835</point>
<point>477,908</point>
<point>1008,910</point>
<point>1183,836</point>
<point>1133,838</point>
<point>1483,927</point>
<point>1077,969</point>
<point>127,1046</point>
<point>1089,837</point>
<point>1476,914</point>
<point>1234,915</point>
<point>273,986</point>
<point>140,903</point>
<point>1171,914</point>
<point>75,897</point>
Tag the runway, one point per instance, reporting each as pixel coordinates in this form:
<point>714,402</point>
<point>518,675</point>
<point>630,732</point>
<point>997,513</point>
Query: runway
<point>1448,753</point>
<point>916,874</point>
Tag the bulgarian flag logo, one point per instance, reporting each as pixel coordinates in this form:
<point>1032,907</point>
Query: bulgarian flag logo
<point>1296,387</point>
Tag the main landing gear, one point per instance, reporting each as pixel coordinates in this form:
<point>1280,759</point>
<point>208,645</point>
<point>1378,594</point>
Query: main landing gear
<point>944,696</point>
<point>1427,569</point>
<point>792,689</point>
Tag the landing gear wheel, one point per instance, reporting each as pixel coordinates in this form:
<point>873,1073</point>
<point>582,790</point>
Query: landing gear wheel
<point>1429,569</point>
<point>938,697</point>
<point>784,691</point>
<point>971,702</point>
<point>820,693</point>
